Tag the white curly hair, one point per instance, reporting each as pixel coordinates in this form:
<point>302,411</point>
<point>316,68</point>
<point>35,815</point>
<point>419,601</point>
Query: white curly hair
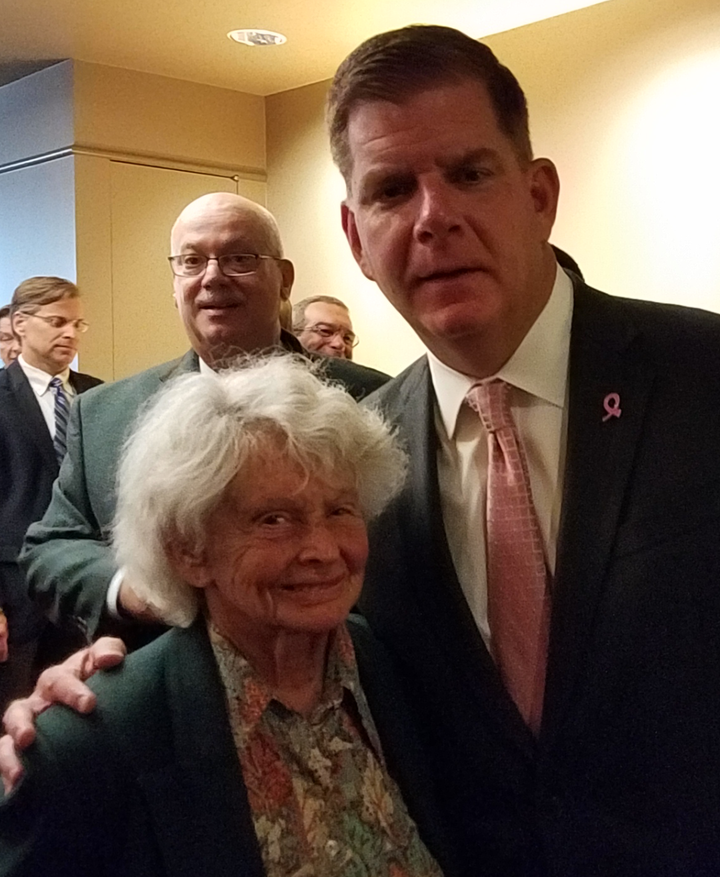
<point>195,436</point>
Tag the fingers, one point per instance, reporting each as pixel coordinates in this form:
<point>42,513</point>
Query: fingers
<point>19,719</point>
<point>10,765</point>
<point>107,652</point>
<point>64,683</point>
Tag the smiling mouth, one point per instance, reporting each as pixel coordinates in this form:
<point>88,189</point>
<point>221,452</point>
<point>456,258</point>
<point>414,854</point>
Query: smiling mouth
<point>310,587</point>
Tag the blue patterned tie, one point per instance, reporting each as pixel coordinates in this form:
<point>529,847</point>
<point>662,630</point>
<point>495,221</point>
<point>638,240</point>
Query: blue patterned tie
<point>62,410</point>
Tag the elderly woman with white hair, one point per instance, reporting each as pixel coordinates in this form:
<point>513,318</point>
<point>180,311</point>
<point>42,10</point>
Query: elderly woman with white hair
<point>263,734</point>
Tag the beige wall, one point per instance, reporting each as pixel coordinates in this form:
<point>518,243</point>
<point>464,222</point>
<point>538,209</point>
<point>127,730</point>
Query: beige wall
<point>147,145</point>
<point>304,192</point>
<point>623,96</point>
<point>95,168</point>
<point>140,113</point>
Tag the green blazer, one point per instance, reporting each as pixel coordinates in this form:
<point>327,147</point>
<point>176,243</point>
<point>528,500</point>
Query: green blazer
<point>150,784</point>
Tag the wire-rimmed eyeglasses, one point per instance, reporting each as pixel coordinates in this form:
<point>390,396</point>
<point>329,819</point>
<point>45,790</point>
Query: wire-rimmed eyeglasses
<point>328,330</point>
<point>58,322</point>
<point>231,264</point>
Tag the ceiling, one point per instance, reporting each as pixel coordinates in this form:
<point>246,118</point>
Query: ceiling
<point>185,39</point>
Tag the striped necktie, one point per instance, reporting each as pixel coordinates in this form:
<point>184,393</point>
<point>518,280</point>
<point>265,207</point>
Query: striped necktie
<point>62,410</point>
<point>517,576</point>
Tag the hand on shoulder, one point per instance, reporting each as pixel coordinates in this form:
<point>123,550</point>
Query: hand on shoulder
<point>64,683</point>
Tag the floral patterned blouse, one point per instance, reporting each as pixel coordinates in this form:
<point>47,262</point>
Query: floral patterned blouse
<point>322,801</point>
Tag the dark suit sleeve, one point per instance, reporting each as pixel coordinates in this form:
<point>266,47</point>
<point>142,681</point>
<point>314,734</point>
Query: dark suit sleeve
<point>66,556</point>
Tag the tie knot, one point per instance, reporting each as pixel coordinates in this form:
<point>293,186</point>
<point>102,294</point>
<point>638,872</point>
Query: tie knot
<point>56,383</point>
<point>491,401</point>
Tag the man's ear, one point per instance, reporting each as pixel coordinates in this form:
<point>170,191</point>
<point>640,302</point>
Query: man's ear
<point>353,238</point>
<point>188,562</point>
<point>17,324</point>
<point>544,191</point>
<point>287,271</point>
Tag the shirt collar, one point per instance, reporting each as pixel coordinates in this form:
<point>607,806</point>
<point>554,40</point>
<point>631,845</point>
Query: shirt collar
<point>538,366</point>
<point>253,697</point>
<point>205,369</point>
<point>287,342</point>
<point>39,380</point>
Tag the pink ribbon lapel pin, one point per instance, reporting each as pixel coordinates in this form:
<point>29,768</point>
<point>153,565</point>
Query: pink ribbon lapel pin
<point>611,404</point>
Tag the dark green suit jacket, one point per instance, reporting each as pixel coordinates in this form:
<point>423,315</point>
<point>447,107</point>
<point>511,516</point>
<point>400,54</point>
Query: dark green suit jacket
<point>67,558</point>
<point>150,784</point>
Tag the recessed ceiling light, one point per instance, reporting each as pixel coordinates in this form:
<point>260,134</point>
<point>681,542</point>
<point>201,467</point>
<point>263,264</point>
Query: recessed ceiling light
<point>257,37</point>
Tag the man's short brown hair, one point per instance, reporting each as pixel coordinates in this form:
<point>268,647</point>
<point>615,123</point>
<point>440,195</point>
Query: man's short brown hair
<point>399,64</point>
<point>35,292</point>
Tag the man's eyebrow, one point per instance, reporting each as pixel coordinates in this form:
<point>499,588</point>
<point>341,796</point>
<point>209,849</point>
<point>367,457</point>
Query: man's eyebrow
<point>469,156</point>
<point>232,246</point>
<point>383,173</point>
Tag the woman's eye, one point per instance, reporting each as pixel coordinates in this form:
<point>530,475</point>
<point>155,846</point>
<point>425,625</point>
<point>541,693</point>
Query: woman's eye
<point>343,510</point>
<point>274,520</point>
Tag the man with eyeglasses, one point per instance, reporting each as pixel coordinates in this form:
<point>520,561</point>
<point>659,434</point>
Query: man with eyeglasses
<point>322,323</point>
<point>229,280</point>
<point>36,391</point>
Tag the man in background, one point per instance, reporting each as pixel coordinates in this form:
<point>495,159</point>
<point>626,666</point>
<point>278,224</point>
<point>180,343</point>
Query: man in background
<point>9,345</point>
<point>322,323</point>
<point>36,391</point>
<point>229,301</point>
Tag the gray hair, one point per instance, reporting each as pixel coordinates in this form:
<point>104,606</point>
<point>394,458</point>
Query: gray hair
<point>200,432</point>
<point>299,308</point>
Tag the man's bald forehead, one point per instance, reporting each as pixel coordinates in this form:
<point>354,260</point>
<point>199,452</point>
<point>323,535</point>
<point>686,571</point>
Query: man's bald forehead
<point>222,205</point>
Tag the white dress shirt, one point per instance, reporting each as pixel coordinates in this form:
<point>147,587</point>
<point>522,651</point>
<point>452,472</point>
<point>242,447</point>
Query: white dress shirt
<point>537,373</point>
<point>40,383</point>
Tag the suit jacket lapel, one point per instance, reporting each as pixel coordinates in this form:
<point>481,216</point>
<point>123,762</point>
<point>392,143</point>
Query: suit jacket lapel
<point>32,421</point>
<point>435,581</point>
<point>198,801</point>
<point>605,358</point>
<point>189,362</point>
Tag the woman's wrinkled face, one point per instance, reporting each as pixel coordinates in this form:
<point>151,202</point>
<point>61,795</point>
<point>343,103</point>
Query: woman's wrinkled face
<point>284,551</point>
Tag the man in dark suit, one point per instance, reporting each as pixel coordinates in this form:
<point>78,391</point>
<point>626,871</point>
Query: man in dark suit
<point>46,313</point>
<point>616,406</point>
<point>229,298</point>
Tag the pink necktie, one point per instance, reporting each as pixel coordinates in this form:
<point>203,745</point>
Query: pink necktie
<point>518,598</point>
